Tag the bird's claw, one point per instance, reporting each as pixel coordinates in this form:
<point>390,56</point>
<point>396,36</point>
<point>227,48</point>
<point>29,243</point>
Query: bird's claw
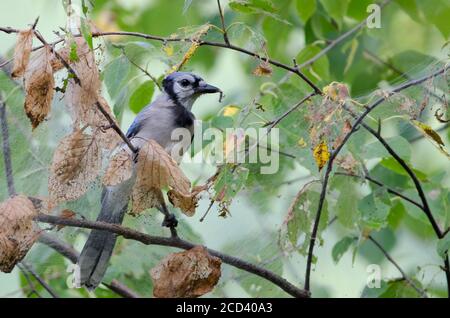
<point>170,221</point>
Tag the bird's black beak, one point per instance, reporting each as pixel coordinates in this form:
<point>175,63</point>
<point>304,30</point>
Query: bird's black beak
<point>205,88</point>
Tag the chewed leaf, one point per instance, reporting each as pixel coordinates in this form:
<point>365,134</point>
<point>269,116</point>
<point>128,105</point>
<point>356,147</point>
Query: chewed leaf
<point>157,170</point>
<point>120,169</point>
<point>321,154</point>
<point>17,230</point>
<point>431,135</point>
<point>81,99</point>
<point>76,163</point>
<point>39,84</point>
<point>191,273</point>
<point>22,52</point>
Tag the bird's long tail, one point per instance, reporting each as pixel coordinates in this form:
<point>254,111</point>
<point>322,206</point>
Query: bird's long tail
<point>97,251</point>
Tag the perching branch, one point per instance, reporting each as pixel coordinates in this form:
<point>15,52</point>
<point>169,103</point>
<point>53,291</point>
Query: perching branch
<point>333,156</point>
<point>179,243</point>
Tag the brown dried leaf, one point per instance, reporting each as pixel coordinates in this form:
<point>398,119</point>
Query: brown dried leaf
<point>80,100</point>
<point>76,162</point>
<point>120,168</point>
<point>22,52</point>
<point>156,170</point>
<point>191,273</point>
<point>39,84</point>
<point>187,203</point>
<point>17,231</point>
<point>263,69</point>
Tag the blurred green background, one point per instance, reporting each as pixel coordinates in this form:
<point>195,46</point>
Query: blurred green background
<point>412,37</point>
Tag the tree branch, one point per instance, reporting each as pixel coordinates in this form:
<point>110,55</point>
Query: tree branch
<point>333,156</point>
<point>222,20</point>
<point>179,243</point>
<point>402,272</point>
<point>378,183</point>
<point>29,269</point>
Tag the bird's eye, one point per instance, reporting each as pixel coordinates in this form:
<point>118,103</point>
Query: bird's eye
<point>185,83</point>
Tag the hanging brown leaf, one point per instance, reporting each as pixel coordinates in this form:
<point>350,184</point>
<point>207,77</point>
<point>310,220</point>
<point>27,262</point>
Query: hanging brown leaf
<point>39,84</point>
<point>22,52</point>
<point>191,273</point>
<point>81,99</point>
<point>120,168</point>
<point>76,162</point>
<point>17,231</point>
<point>157,170</point>
<point>186,202</point>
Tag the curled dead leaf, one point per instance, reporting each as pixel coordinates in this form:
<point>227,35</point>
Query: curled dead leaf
<point>39,84</point>
<point>120,168</point>
<point>431,135</point>
<point>76,162</point>
<point>18,232</point>
<point>191,273</point>
<point>263,69</point>
<point>22,52</point>
<point>157,170</point>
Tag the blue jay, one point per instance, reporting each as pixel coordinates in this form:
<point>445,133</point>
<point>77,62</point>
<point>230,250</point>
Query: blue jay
<point>170,110</point>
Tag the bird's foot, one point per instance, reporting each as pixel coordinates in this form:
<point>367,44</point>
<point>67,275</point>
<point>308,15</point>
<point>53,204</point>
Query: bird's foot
<point>170,221</point>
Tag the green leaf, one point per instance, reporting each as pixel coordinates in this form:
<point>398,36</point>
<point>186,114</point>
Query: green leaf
<point>401,145</point>
<point>341,247</point>
<point>73,55</point>
<point>437,12</point>
<point>336,9</point>
<point>305,9</point>
<point>86,32</point>
<point>374,211</point>
<point>141,96</point>
<point>229,183</point>
<point>320,66</point>
<point>410,7</point>
<point>115,75</point>
<point>443,245</point>
<point>394,166</point>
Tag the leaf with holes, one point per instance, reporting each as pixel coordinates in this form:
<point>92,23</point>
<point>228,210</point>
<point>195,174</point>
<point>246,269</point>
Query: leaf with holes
<point>120,168</point>
<point>76,163</point>
<point>17,230</point>
<point>191,273</point>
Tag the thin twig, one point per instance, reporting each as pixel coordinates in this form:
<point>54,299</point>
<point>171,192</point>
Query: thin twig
<point>179,243</point>
<point>222,20</point>
<point>154,80</point>
<point>97,103</point>
<point>378,183</point>
<point>29,281</point>
<point>402,272</point>
<point>338,40</point>
<point>6,149</point>
<point>40,280</point>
